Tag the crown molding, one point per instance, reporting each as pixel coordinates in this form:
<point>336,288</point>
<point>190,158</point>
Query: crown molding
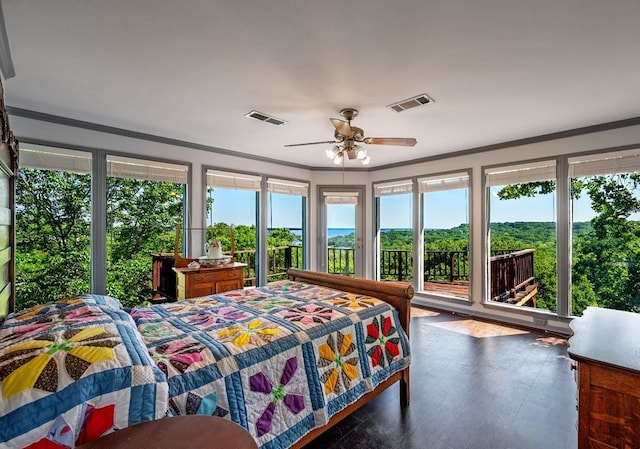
<point>35,115</point>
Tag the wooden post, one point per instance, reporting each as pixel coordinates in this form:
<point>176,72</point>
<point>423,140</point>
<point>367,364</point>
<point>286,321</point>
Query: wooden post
<point>451,266</point>
<point>287,257</point>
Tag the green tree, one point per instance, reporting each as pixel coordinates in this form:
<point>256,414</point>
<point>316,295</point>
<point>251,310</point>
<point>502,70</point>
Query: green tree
<point>141,219</point>
<point>606,254</point>
<point>53,219</point>
<point>53,216</point>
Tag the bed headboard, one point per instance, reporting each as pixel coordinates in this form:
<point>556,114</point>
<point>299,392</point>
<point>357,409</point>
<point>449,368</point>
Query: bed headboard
<point>8,170</point>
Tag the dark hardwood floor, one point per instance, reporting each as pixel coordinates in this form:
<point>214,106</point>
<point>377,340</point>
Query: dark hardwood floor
<point>474,385</point>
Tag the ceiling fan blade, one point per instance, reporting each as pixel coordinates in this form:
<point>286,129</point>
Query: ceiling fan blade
<point>312,143</point>
<point>342,127</point>
<point>401,141</point>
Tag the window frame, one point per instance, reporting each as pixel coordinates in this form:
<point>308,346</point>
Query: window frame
<point>261,216</point>
<point>420,218</point>
<point>99,201</point>
<point>486,252</point>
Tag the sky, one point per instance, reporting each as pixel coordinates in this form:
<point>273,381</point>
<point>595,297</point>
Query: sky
<point>443,210</point>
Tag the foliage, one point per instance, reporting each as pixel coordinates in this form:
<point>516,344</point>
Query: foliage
<point>53,213</point>
<point>141,219</point>
<point>606,253</point>
<point>342,241</point>
<point>53,248</point>
<point>244,237</point>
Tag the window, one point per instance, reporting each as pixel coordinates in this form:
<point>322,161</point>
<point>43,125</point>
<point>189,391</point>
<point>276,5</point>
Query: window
<point>232,199</point>
<point>286,230</point>
<point>341,231</point>
<point>394,202</point>
<point>605,209</point>
<point>445,233</point>
<point>145,201</point>
<point>53,224</point>
<point>522,235</point>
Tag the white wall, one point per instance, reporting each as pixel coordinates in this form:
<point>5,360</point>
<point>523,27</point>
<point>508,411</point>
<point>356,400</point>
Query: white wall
<point>30,129</point>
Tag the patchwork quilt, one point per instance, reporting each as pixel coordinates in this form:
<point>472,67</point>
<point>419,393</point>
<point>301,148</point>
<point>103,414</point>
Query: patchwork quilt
<point>279,360</point>
<point>72,371</point>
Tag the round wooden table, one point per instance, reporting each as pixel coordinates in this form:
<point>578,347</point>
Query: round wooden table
<point>186,432</point>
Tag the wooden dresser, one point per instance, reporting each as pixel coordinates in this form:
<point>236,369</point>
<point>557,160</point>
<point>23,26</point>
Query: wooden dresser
<point>191,283</point>
<point>606,347</point>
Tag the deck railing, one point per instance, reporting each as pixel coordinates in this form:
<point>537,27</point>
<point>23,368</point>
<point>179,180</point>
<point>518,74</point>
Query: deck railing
<point>511,270</point>
<point>280,258</point>
<point>511,273</point>
<point>341,261</point>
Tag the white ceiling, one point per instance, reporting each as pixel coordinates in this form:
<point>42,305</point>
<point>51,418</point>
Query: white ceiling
<point>499,70</point>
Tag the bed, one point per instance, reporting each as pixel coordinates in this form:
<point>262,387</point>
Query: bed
<point>286,361</point>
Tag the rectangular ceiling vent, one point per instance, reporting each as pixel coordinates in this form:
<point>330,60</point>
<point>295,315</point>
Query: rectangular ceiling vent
<point>418,100</point>
<point>265,118</point>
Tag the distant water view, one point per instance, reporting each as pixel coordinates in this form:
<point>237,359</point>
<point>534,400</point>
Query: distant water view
<point>335,232</point>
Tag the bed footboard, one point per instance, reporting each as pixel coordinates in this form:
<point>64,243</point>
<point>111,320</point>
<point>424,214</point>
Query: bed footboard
<point>397,295</point>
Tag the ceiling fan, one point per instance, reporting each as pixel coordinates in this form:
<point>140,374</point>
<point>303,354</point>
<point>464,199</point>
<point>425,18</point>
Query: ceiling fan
<point>347,138</point>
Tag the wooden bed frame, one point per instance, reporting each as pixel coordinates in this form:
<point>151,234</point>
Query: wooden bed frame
<point>399,296</point>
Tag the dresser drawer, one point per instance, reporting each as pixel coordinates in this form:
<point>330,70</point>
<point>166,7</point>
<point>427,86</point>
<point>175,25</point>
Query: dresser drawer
<point>215,276</point>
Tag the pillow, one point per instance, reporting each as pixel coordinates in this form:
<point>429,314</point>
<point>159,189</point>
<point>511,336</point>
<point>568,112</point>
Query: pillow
<point>101,300</point>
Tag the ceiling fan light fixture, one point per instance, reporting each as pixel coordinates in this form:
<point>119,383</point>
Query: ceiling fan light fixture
<point>366,160</point>
<point>338,158</point>
<point>331,153</point>
<point>361,153</point>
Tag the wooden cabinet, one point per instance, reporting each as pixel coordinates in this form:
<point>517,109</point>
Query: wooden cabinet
<point>606,347</point>
<point>164,278</point>
<point>208,281</point>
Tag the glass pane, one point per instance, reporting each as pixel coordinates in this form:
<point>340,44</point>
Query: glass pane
<point>605,242</point>
<point>446,242</point>
<point>396,237</point>
<point>53,235</point>
<point>237,207</point>
<point>522,233</point>
<point>284,233</point>
<point>141,220</point>
<point>341,238</point>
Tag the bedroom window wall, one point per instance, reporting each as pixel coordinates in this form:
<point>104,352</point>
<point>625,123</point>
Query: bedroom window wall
<point>394,206</point>
<point>521,211</point>
<point>605,217</point>
<point>145,201</point>
<point>445,233</point>
<point>286,226</point>
<point>53,223</point>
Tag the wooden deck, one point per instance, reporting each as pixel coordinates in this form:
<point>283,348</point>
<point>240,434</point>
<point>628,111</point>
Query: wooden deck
<point>457,289</point>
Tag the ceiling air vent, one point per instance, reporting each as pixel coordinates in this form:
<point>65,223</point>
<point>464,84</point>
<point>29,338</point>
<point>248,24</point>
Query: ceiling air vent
<point>265,118</point>
<point>418,100</point>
